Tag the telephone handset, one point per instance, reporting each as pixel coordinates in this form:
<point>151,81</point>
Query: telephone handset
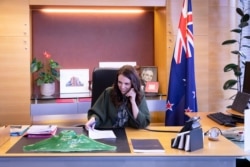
<point>236,133</point>
<point>240,128</point>
<point>128,97</point>
<point>192,123</point>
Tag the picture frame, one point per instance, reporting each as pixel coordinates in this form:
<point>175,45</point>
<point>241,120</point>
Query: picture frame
<point>152,87</point>
<point>150,72</point>
<point>74,81</point>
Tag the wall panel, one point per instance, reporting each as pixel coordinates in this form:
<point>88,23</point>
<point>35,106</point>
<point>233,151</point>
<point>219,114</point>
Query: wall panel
<point>83,40</point>
<point>14,64</point>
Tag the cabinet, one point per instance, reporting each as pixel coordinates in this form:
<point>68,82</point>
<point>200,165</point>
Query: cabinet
<point>15,62</point>
<point>14,18</point>
<point>73,110</point>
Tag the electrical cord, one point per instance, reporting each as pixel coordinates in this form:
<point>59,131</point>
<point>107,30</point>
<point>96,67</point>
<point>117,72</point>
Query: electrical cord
<point>166,131</point>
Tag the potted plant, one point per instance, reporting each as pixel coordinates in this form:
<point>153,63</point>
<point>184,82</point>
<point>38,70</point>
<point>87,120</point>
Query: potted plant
<point>46,74</point>
<point>238,67</point>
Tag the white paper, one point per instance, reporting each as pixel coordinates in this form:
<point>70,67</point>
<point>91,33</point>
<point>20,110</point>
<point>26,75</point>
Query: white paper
<point>247,130</point>
<point>101,134</point>
<point>18,128</point>
<point>41,129</point>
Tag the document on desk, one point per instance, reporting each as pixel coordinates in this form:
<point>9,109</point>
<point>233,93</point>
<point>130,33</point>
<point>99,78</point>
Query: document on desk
<point>147,146</point>
<point>18,130</point>
<point>101,134</point>
<point>41,131</point>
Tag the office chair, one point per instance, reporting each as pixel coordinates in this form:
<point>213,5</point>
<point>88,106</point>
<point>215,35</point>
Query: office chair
<point>101,79</point>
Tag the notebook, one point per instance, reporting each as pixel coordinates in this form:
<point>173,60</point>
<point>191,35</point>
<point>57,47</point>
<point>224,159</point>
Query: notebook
<point>147,146</point>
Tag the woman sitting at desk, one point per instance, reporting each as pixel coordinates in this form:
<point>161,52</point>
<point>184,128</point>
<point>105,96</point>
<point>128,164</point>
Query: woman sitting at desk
<point>121,105</point>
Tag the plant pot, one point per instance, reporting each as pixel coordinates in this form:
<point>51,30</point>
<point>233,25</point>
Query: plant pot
<point>47,89</point>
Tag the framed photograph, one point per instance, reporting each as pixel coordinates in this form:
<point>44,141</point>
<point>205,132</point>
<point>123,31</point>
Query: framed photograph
<point>148,73</point>
<point>74,80</point>
<point>152,87</point>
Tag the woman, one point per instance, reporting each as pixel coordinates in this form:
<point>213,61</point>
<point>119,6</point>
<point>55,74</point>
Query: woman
<point>121,105</point>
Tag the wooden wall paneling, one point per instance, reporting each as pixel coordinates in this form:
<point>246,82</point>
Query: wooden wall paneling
<point>160,44</point>
<point>14,65</point>
<point>202,72</point>
<point>222,19</point>
<point>13,18</point>
<point>200,22</point>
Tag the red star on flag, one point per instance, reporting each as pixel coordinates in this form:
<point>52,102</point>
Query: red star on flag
<point>188,110</point>
<point>169,106</point>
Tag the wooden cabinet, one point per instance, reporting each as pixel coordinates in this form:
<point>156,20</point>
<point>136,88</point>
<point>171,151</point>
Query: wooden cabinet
<point>14,18</point>
<point>15,62</point>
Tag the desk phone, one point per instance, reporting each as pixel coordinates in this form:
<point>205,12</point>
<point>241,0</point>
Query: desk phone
<point>236,133</point>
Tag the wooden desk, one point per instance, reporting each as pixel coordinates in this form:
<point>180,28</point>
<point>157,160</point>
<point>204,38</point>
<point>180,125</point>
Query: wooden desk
<point>221,153</point>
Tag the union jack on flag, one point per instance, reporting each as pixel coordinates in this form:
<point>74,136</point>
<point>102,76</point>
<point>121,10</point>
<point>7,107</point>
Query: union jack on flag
<point>182,88</point>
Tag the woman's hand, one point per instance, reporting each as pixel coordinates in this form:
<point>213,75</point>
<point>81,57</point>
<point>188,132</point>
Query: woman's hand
<point>131,94</point>
<point>90,124</point>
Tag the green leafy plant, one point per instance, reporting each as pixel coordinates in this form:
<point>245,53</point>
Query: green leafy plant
<point>237,68</point>
<point>46,71</point>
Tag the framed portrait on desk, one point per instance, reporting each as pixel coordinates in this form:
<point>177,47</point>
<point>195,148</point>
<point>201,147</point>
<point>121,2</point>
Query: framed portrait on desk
<point>149,79</point>
<point>149,73</point>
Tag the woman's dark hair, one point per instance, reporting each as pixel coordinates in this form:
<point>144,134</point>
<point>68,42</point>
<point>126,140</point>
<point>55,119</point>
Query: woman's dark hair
<point>131,73</point>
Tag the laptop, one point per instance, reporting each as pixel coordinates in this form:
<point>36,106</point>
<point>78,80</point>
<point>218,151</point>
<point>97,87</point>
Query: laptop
<point>239,105</point>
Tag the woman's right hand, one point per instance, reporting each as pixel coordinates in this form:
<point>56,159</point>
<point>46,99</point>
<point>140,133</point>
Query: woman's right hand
<point>90,124</point>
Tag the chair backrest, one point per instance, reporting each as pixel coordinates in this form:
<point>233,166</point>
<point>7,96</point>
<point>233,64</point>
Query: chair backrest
<point>101,79</point>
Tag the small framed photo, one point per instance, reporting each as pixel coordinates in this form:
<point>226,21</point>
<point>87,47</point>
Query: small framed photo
<point>152,87</point>
<point>74,80</point>
<point>148,73</point>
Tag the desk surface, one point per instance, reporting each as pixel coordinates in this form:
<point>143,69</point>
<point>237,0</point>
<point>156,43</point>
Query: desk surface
<point>221,153</point>
<point>223,147</point>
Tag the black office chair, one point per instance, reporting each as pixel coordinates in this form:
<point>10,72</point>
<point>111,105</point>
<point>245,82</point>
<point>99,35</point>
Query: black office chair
<point>101,79</point>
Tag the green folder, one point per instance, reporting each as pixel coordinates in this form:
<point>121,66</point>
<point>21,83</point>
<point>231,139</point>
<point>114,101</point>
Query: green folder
<point>68,141</point>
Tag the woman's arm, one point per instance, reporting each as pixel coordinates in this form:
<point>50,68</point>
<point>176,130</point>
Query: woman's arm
<point>141,116</point>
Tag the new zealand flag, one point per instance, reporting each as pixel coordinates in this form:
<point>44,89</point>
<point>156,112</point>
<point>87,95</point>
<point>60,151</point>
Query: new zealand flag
<point>182,88</point>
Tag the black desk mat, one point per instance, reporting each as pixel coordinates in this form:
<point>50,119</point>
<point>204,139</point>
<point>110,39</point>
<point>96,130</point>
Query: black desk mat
<point>120,142</point>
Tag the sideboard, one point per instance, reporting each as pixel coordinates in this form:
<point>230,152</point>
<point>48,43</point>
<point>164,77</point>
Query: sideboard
<point>73,108</point>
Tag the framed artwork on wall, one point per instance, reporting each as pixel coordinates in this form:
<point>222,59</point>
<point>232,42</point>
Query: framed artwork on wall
<point>74,80</point>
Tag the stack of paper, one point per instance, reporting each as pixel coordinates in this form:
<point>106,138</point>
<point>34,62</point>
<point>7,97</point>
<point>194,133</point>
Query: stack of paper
<point>18,130</point>
<point>101,134</point>
<point>41,131</point>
